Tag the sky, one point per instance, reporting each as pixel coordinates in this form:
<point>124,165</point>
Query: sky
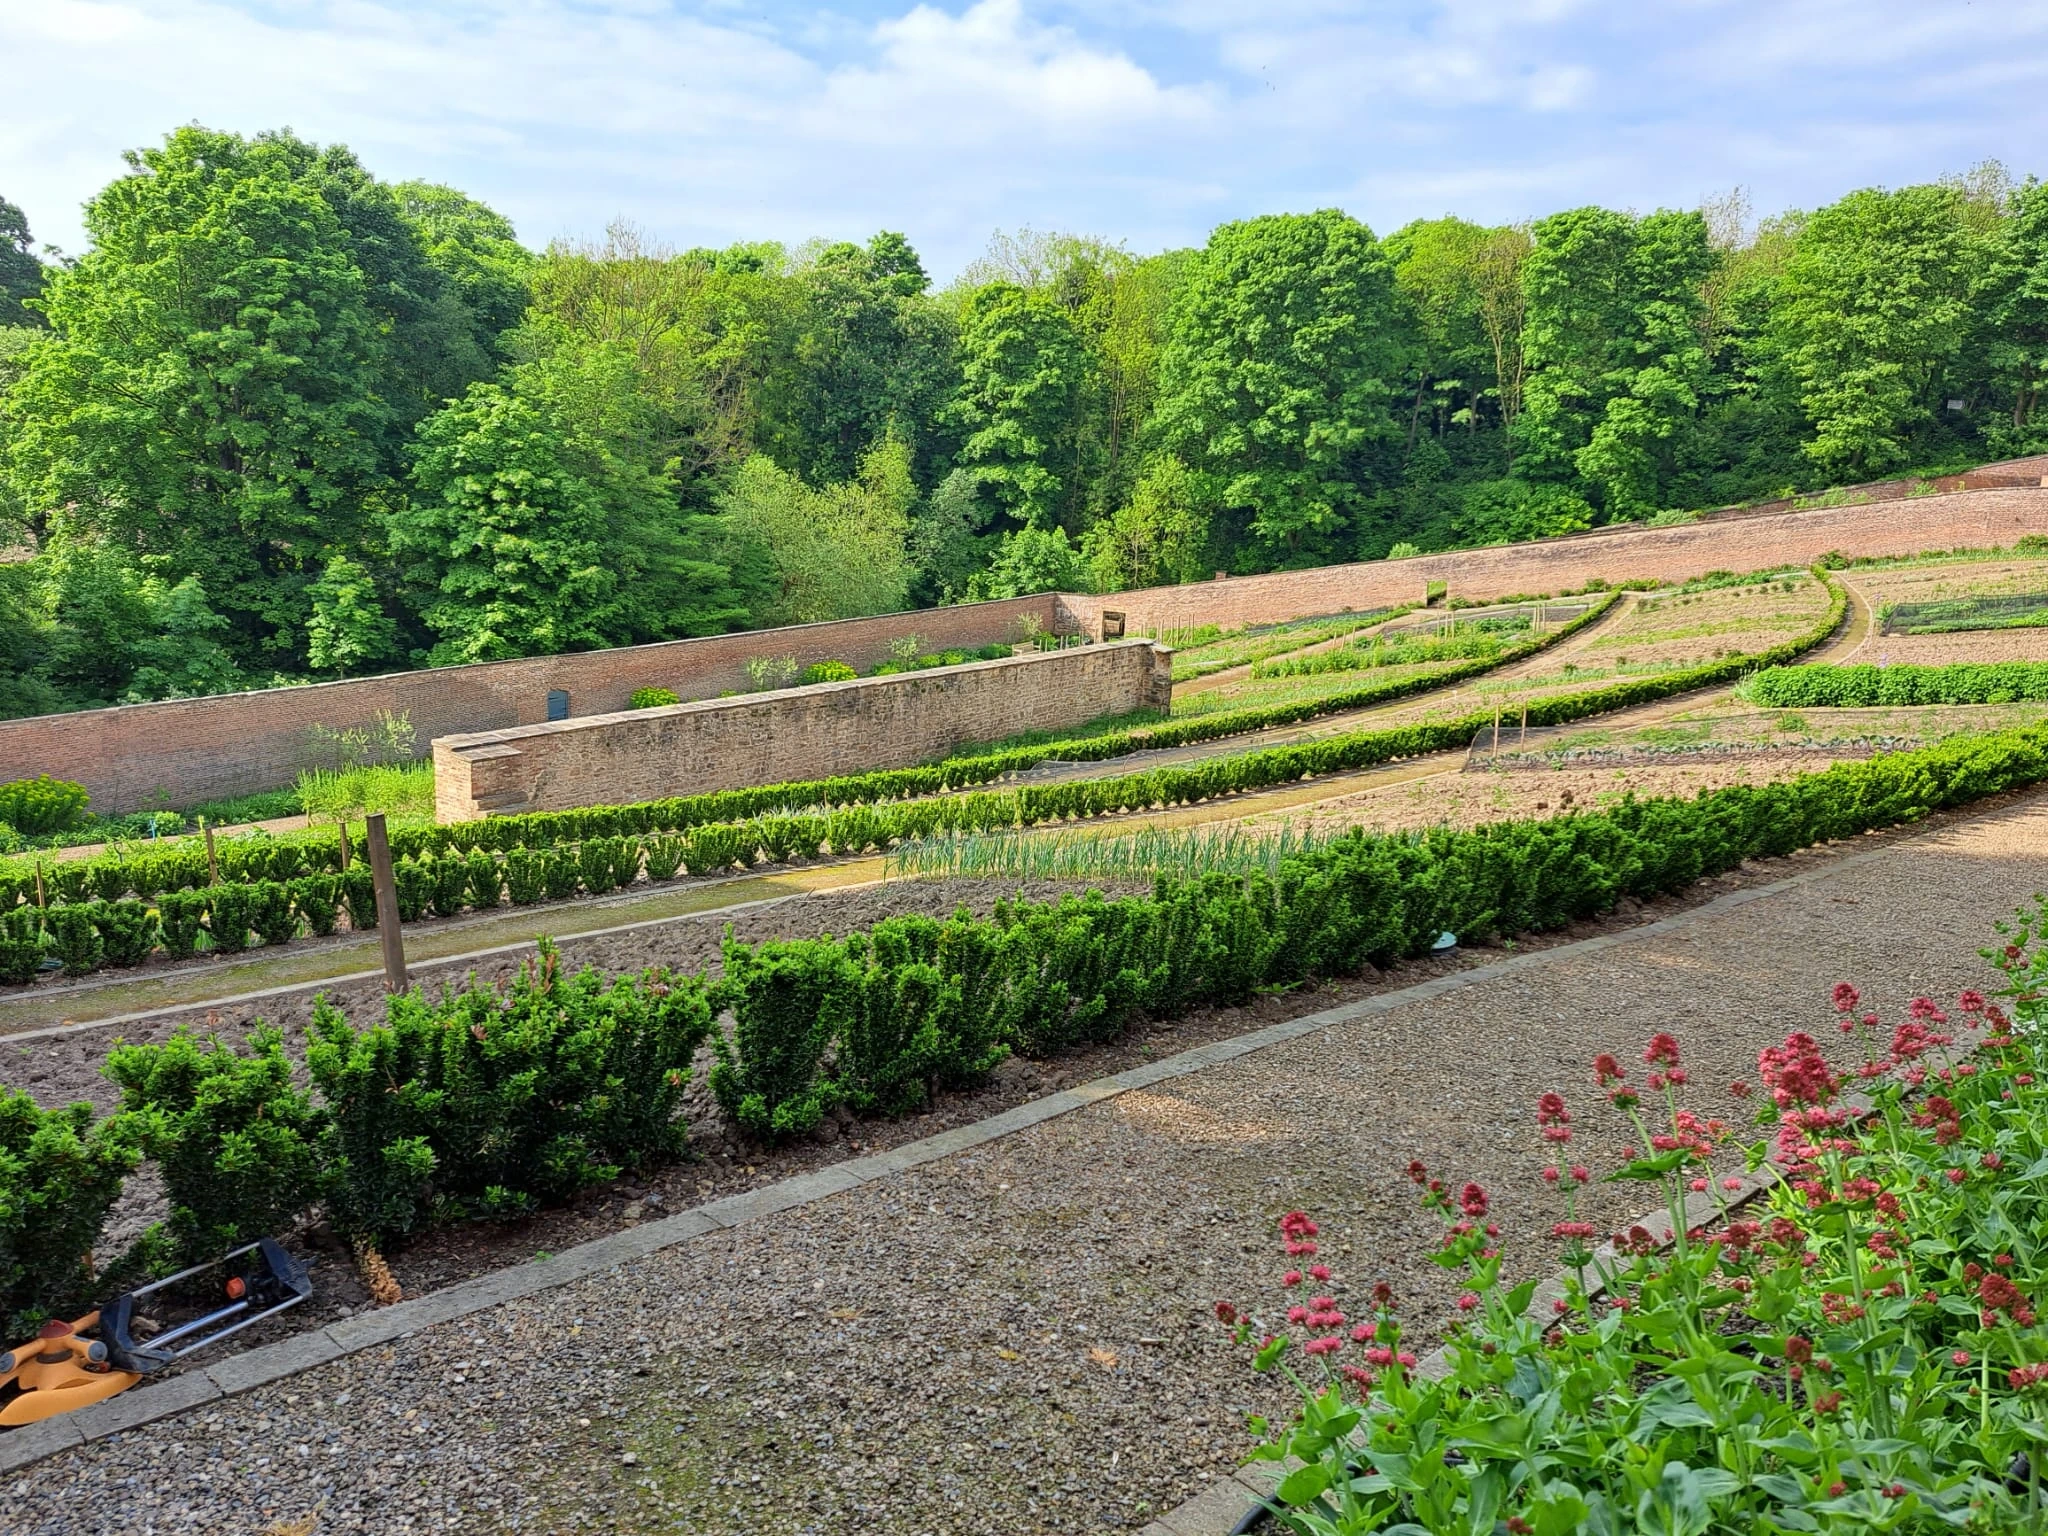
<point>1142,121</point>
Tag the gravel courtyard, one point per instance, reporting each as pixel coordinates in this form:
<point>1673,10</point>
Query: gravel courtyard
<point>1016,1339</point>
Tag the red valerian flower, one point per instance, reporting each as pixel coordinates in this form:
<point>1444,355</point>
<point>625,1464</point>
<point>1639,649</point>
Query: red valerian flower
<point>1846,997</point>
<point>1225,1312</point>
<point>1468,1301</point>
<point>1662,1050</point>
<point>1472,1201</point>
<point>1739,1089</point>
<point>1319,1272</point>
<point>1606,1069</point>
<point>1292,1277</point>
<point>1383,1296</point>
<point>1323,1346</point>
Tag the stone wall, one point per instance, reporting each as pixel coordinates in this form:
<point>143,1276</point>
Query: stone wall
<point>183,752</point>
<point>793,733</point>
<point>1973,519</point>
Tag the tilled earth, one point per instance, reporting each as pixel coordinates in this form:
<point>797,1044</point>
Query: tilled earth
<point>1015,1339</point>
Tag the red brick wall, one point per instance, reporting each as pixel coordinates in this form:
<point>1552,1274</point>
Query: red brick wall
<point>1735,542</point>
<point>185,751</point>
<point>792,733</point>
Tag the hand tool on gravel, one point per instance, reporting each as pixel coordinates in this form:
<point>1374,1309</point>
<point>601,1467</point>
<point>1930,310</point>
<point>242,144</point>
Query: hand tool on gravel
<point>62,1369</point>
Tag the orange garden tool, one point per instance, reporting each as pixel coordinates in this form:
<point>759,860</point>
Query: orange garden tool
<point>63,1369</point>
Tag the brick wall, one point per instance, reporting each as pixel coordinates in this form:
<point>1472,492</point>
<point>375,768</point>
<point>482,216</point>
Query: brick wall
<point>185,751</point>
<point>793,733</point>
<point>1973,519</point>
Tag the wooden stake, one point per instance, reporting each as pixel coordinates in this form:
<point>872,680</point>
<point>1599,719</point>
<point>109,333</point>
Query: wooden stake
<point>387,903</point>
<point>42,897</point>
<point>344,845</point>
<point>1525,725</point>
<point>212,864</point>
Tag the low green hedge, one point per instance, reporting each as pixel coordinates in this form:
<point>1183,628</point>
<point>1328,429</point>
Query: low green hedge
<point>1998,682</point>
<point>446,882</point>
<point>487,1102</point>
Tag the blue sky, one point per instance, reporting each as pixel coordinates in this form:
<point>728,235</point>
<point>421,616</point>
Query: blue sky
<point>1145,121</point>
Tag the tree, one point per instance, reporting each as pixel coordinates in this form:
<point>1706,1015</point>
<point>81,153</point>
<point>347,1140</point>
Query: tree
<point>1612,343</point>
<point>948,542</point>
<point>2014,305</point>
<point>349,630</point>
<point>869,355</point>
<point>539,524</point>
<point>1870,314</point>
<point>1031,559</point>
<point>1160,536</point>
<point>1279,376</point>
<point>1024,375</point>
<point>836,553</point>
<point>235,371</point>
<point>1437,266</point>
<point>21,273</point>
<point>475,248</point>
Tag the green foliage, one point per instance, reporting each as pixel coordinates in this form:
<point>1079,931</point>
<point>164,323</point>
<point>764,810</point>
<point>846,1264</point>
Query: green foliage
<point>41,805</point>
<point>789,1001</point>
<point>60,1173</point>
<point>238,1143</point>
<point>1278,380</point>
<point>180,915</point>
<point>22,276</point>
<point>448,888</point>
<point>828,672</point>
<point>349,631</point>
<point>317,899</point>
<point>21,943</point>
<point>486,1102</point>
<point>127,930</point>
<point>525,877</point>
<point>1860,687</point>
<point>230,911</point>
<point>1024,377</point>
<point>1030,560</point>
<point>832,553</point>
<point>1159,537</point>
<point>414,882</point>
<point>74,936</point>
<point>654,698</point>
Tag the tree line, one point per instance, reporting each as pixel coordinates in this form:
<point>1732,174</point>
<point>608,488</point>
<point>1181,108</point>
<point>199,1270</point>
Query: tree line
<point>283,420</point>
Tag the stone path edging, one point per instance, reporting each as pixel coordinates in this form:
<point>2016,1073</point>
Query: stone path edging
<point>287,1357</point>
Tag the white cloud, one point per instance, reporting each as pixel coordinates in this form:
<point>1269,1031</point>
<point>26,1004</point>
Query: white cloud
<point>1146,120</point>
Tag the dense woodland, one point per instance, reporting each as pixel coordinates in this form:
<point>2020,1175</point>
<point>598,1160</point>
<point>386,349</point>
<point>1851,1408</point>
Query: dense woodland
<point>283,420</point>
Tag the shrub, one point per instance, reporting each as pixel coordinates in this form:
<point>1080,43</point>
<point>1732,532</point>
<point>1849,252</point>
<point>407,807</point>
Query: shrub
<point>561,874</point>
<point>238,1144</point>
<point>74,937</point>
<point>484,1103</point>
<point>179,918</point>
<point>271,913</point>
<point>127,929</point>
<point>654,698</point>
<point>108,879</point>
<point>598,865</point>
<point>359,893</point>
<point>449,875</point>
<point>2002,682</point>
<point>413,881</point>
<point>525,876</point>
<point>664,857</point>
<point>229,909</point>
<point>39,806</point>
<point>317,899</point>
<point>21,944</point>
<point>625,861</point>
<point>485,885</point>
<point>60,1173</point>
<point>69,881</point>
<point>789,1001</point>
<point>829,672</point>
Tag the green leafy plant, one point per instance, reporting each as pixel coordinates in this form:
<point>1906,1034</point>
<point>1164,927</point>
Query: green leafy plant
<point>413,880</point>
<point>271,913</point>
<point>486,884</point>
<point>664,857</point>
<point>230,910</point>
<point>238,1143</point>
<point>317,899</point>
<point>828,672</point>
<point>61,1171</point>
<point>21,944</point>
<point>789,1000</point>
<point>654,698</point>
<point>75,937</point>
<point>180,917</point>
<point>449,890</point>
<point>128,930</point>
<point>42,805</point>
<point>359,894</point>
<point>525,876</point>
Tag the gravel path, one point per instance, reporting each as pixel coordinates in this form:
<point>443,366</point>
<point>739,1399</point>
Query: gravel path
<point>1014,1339</point>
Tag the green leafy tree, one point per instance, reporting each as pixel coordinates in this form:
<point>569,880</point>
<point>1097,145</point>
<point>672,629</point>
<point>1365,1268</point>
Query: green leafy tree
<point>349,630</point>
<point>948,540</point>
<point>1612,344</point>
<point>21,272</point>
<point>2014,326</point>
<point>866,354</point>
<point>475,248</point>
<point>1159,536</point>
<point>1279,378</point>
<point>538,523</point>
<point>1869,317</point>
<point>1024,377</point>
<point>1438,269</point>
<point>1031,559</point>
<point>834,553</point>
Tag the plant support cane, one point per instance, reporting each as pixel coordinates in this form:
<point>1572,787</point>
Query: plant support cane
<point>387,904</point>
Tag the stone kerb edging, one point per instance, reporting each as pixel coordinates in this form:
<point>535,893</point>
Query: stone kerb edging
<point>271,1363</point>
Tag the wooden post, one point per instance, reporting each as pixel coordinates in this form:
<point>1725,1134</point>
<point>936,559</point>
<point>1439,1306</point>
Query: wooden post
<point>1496,730</point>
<point>212,864</point>
<point>1525,724</point>
<point>42,897</point>
<point>387,903</point>
<point>344,844</point>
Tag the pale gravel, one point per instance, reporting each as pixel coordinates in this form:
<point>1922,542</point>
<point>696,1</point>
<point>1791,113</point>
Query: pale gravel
<point>843,1369</point>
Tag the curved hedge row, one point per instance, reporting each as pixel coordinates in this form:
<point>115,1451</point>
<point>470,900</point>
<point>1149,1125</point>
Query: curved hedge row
<point>1965,682</point>
<point>295,893</point>
<point>486,1102</point>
